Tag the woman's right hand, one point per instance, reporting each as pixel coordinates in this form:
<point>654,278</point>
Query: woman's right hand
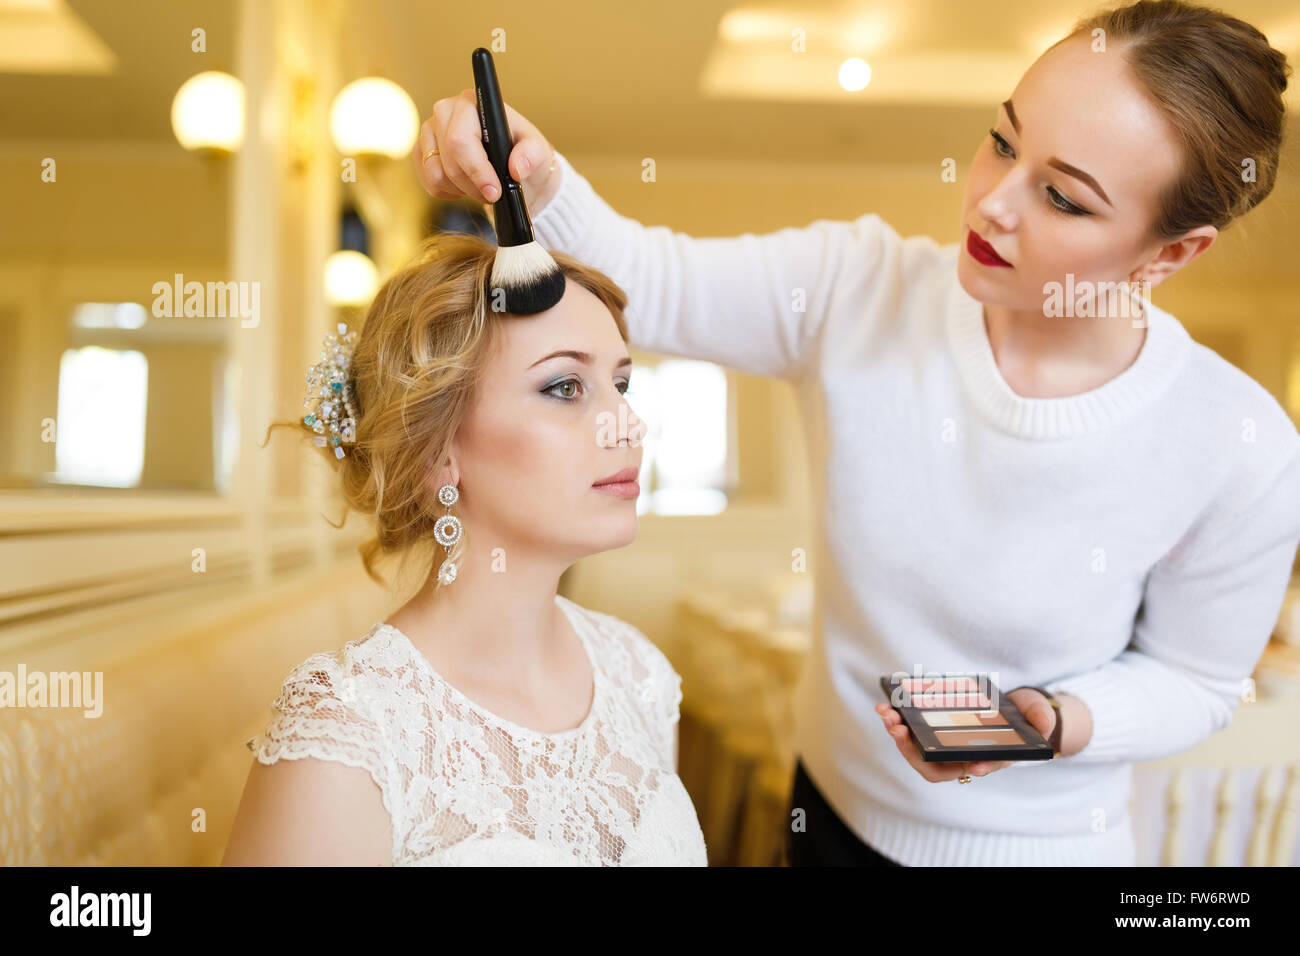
<point>461,168</point>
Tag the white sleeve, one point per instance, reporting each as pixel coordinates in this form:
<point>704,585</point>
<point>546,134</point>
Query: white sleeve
<point>671,696</point>
<point>755,303</point>
<point>1208,610</point>
<point>320,712</point>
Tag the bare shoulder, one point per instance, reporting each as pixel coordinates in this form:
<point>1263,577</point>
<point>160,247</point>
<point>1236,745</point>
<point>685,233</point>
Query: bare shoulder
<point>309,812</point>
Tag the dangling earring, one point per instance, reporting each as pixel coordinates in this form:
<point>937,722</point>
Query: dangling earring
<point>447,530</point>
<point>1139,321</point>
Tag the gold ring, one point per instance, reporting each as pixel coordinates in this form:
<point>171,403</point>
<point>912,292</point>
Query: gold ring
<point>964,778</point>
<point>432,152</point>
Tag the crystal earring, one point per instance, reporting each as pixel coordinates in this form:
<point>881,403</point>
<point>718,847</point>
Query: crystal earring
<point>447,530</point>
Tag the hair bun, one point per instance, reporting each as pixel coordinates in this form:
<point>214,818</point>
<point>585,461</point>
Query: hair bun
<point>1281,68</point>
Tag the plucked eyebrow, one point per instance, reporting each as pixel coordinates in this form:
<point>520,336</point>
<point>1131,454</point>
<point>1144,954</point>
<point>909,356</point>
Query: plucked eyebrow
<point>1060,164</point>
<point>586,358</point>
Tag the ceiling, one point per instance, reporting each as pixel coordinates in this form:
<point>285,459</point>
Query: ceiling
<point>598,77</point>
<point>703,78</point>
<point>149,40</point>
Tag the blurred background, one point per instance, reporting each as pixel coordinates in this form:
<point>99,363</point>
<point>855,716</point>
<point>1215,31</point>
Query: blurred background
<point>193,193</point>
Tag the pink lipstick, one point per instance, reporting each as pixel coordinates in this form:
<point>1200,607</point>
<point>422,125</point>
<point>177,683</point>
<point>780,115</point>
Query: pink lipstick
<point>621,484</point>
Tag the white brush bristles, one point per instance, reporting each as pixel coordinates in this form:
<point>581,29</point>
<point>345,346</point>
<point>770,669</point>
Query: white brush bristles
<point>521,265</point>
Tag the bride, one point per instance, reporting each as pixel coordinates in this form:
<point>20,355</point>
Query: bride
<point>489,720</point>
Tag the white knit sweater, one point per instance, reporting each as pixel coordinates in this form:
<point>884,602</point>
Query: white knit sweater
<point>1130,545</point>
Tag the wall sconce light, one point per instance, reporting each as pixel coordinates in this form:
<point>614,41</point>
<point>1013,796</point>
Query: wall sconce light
<point>351,277</point>
<point>208,113</point>
<point>854,74</point>
<point>374,117</point>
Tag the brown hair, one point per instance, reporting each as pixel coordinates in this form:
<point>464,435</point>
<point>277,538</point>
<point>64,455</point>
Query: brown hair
<point>1220,85</point>
<point>427,336</point>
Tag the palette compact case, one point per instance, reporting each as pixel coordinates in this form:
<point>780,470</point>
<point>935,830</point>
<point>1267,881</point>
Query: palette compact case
<point>952,718</point>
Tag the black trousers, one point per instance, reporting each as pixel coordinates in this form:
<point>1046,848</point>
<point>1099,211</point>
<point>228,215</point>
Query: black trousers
<point>826,839</point>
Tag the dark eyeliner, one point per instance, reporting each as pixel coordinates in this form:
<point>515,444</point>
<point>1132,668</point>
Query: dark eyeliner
<point>1069,209</point>
<point>551,388</point>
<point>564,381</point>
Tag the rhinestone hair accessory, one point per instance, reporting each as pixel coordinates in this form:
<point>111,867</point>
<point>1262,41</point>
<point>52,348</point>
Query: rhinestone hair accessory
<point>329,386</point>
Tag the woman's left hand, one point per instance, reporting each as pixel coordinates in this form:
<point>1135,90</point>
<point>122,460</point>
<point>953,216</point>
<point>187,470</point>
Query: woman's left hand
<point>1036,708</point>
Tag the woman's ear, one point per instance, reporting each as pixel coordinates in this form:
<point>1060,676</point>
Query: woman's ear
<point>448,474</point>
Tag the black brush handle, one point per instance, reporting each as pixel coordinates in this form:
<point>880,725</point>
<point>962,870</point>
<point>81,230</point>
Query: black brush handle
<point>509,213</point>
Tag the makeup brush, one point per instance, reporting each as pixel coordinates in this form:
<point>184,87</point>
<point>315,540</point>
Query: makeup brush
<point>529,280</point>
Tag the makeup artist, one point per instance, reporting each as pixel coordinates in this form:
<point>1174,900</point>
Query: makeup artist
<point>1093,509</point>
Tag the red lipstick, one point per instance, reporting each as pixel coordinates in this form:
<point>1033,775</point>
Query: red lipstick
<point>982,252</point>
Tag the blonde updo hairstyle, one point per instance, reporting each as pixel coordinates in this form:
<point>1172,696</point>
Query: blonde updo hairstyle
<point>427,336</point>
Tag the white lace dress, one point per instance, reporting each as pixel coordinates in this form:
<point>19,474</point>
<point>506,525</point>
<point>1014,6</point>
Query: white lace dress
<point>465,787</point>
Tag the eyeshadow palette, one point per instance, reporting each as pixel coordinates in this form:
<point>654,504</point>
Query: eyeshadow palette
<point>953,717</point>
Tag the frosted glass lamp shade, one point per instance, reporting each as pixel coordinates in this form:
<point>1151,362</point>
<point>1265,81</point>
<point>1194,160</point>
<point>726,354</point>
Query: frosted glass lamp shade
<point>208,112</point>
<point>350,278</point>
<point>373,116</point>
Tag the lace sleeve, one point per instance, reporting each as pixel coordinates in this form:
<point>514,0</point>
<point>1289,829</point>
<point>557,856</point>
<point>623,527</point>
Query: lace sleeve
<point>320,712</point>
<point>671,695</point>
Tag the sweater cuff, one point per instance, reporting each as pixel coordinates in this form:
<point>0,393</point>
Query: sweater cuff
<point>1115,721</point>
